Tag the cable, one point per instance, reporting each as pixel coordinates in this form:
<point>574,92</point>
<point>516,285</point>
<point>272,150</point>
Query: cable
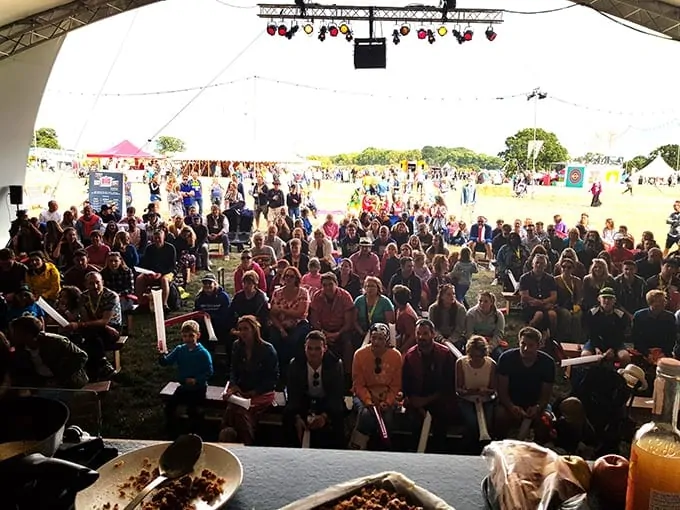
<point>547,11</point>
<point>151,93</point>
<point>234,6</point>
<point>609,112</point>
<point>106,79</point>
<point>205,87</point>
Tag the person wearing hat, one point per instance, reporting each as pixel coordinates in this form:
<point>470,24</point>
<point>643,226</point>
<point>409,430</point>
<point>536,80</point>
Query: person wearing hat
<point>214,300</point>
<point>275,199</point>
<point>619,252</point>
<point>365,262</point>
<point>607,326</point>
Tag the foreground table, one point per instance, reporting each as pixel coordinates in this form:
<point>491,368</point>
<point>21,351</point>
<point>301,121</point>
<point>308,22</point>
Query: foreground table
<point>274,477</point>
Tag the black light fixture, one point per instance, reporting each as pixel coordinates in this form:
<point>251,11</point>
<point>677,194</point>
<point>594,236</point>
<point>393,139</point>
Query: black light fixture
<point>395,37</point>
<point>430,36</point>
<point>271,29</point>
<point>468,33</point>
<point>459,37</point>
<point>322,33</point>
<point>490,33</point>
<point>293,30</point>
<point>283,30</point>
<point>349,36</point>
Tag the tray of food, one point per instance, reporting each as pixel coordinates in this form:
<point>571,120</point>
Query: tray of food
<point>215,478</point>
<point>382,491</point>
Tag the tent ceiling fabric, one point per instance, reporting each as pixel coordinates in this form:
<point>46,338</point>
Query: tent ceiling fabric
<point>27,23</point>
<point>662,16</point>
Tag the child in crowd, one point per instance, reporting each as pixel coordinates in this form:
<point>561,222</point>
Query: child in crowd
<point>462,273</point>
<point>194,368</point>
<point>24,303</point>
<point>312,280</point>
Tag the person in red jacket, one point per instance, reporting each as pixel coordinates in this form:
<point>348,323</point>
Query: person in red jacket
<point>247,264</point>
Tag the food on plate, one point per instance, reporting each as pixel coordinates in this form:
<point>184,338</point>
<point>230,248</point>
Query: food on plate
<point>373,498</point>
<point>610,478</point>
<point>580,469</point>
<point>181,494</point>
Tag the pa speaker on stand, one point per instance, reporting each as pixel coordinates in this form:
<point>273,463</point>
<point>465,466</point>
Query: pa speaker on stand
<point>16,195</point>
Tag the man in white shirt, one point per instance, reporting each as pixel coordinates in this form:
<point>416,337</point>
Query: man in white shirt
<point>52,213</point>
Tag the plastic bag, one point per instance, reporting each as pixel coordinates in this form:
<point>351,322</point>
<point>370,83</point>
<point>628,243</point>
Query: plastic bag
<point>525,476</point>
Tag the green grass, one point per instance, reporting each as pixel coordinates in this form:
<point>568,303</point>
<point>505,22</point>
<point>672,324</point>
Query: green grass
<point>133,409</point>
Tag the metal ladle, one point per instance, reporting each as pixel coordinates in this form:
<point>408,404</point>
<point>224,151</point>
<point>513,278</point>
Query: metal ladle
<point>177,460</point>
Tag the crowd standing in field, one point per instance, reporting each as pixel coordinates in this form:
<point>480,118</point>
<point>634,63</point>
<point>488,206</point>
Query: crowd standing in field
<point>372,305</point>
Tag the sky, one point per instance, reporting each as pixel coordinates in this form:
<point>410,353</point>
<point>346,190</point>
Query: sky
<point>610,89</point>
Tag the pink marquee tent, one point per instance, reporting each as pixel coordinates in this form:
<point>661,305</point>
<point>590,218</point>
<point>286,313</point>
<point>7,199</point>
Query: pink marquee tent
<point>124,150</point>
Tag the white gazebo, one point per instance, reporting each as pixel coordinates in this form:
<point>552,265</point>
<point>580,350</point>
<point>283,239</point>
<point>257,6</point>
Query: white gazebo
<point>656,169</point>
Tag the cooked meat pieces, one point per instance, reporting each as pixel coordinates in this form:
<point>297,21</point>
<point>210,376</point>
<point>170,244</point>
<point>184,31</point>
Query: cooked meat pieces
<point>373,498</point>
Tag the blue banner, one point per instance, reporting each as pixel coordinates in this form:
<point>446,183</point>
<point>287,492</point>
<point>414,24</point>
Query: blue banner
<point>107,188</point>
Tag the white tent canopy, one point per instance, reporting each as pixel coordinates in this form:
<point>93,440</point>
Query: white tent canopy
<point>656,169</point>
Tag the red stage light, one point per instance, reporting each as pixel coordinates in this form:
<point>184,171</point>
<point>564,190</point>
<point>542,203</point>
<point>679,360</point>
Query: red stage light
<point>271,29</point>
<point>468,34</point>
<point>333,31</point>
<point>422,34</point>
<point>490,34</point>
<point>283,30</point>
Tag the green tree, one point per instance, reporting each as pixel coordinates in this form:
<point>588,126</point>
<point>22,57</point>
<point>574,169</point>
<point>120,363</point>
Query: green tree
<point>669,153</point>
<point>169,145</point>
<point>636,163</point>
<point>46,138</point>
<point>515,155</point>
<point>589,157</point>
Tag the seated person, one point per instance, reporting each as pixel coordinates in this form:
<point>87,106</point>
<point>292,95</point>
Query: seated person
<point>606,327</point>
<point>376,380</point>
<point>538,294</point>
<point>67,304</point>
<point>247,264</point>
<point>332,311</point>
<point>406,277</point>
<point>480,238</point>
<point>254,374</point>
<point>45,359</point>
<point>486,320</point>
<point>262,254</point>
<point>119,278</point>
<point>569,301</point>
<point>525,383</point>
<point>427,384</point>
<point>654,327</point>
<point>194,368</point>
<point>24,304</point>
<point>296,258</point>
<point>161,258</point>
<point>97,250</point>
<point>99,325</point>
<point>475,381</point>
<point>75,275</point>
<point>214,300</point>
<point>630,289</point>
<point>406,318</point>
<point>348,279</point>
<point>448,316</point>
<point>316,388</point>
<point>43,277</point>
<point>288,315</point>
<point>372,307</point>
<point>218,229</point>
<point>250,300</point>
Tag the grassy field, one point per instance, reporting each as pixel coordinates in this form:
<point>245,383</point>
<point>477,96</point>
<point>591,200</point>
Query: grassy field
<point>133,409</point>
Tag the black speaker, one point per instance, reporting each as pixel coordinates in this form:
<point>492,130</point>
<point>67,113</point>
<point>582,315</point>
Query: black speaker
<point>16,195</point>
<point>370,53</point>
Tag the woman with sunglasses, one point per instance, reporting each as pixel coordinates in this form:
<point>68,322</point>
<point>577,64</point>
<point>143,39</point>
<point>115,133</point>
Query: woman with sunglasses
<point>288,315</point>
<point>376,380</point>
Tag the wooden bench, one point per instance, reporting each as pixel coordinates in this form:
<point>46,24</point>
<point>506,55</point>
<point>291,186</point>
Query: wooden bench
<point>511,299</point>
<point>572,350</point>
<point>117,347</point>
<point>99,387</point>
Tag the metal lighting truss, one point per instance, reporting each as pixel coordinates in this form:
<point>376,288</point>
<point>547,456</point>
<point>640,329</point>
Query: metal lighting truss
<point>29,32</point>
<point>409,14</point>
<point>657,15</point>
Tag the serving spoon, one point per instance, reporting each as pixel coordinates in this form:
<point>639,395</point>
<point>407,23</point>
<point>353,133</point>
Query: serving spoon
<point>177,460</point>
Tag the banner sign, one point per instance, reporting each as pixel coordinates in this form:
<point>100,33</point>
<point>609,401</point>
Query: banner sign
<point>107,188</point>
<point>575,176</point>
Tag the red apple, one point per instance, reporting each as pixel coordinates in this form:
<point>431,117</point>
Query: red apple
<point>610,479</point>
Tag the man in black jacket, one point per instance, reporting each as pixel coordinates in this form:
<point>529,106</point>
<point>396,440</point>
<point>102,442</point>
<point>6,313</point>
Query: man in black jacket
<point>315,396</point>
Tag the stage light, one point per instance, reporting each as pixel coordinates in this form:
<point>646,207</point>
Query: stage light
<point>322,33</point>
<point>349,36</point>
<point>308,29</point>
<point>442,31</point>
<point>333,31</point>
<point>422,34</point>
<point>271,29</point>
<point>395,37</point>
<point>468,34</point>
<point>283,30</point>
<point>344,28</point>
<point>490,34</point>
<point>404,30</point>
<point>430,36</point>
<point>293,30</point>
<point>459,37</point>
